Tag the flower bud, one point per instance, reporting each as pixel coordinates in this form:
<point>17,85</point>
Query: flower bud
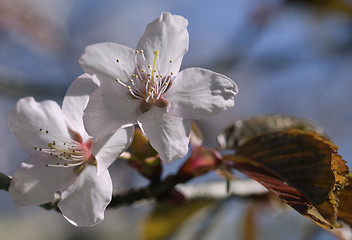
<point>202,160</point>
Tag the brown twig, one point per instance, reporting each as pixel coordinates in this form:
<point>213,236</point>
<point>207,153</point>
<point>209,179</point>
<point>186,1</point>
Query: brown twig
<point>4,182</point>
<point>125,198</point>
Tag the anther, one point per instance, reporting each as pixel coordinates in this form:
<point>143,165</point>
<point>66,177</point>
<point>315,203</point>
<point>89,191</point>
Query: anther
<point>118,60</point>
<point>136,52</point>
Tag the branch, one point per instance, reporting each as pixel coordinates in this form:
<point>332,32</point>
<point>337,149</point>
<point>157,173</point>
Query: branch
<point>239,188</point>
<point>4,181</point>
<point>149,192</point>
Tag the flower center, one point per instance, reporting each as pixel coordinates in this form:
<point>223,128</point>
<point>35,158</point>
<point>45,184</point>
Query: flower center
<point>148,84</point>
<point>74,152</point>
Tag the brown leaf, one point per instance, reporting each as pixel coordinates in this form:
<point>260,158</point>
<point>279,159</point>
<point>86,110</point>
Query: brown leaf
<point>345,204</point>
<point>297,166</point>
<point>339,6</point>
<point>249,229</point>
<point>243,130</point>
<point>166,218</point>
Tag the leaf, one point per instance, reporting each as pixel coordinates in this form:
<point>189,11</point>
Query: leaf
<point>144,158</point>
<point>243,130</point>
<point>249,223</point>
<point>345,204</point>
<point>297,166</point>
<point>166,218</point>
<point>343,7</point>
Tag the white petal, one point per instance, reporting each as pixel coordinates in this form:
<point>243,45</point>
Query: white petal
<point>167,34</point>
<point>109,108</point>
<point>29,116</point>
<point>34,183</point>
<point>76,99</point>
<point>168,135</point>
<point>84,202</point>
<point>109,149</point>
<point>101,59</point>
<point>198,93</point>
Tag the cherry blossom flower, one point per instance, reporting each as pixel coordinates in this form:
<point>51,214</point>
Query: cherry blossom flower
<point>63,159</point>
<point>145,86</point>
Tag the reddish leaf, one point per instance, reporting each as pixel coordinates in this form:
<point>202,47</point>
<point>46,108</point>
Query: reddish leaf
<point>297,166</point>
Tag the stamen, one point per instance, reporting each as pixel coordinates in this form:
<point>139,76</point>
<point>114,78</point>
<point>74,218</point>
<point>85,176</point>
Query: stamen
<point>63,165</point>
<point>119,81</point>
<point>142,53</point>
<point>147,82</point>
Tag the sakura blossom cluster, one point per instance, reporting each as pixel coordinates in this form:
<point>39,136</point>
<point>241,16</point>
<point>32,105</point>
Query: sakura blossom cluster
<point>71,147</point>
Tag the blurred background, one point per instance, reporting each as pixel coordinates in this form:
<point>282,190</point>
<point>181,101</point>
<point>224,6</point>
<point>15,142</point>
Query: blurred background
<point>286,56</point>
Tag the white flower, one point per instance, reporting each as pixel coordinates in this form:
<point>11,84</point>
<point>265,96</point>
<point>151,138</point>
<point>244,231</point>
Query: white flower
<point>145,86</point>
<point>63,158</point>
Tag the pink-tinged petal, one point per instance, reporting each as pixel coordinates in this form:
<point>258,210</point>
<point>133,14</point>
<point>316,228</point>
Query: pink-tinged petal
<point>198,93</point>
<point>109,107</point>
<point>168,135</point>
<point>76,99</point>
<point>29,116</point>
<point>84,202</point>
<point>34,183</point>
<point>168,34</point>
<point>109,149</point>
<point>101,59</point>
